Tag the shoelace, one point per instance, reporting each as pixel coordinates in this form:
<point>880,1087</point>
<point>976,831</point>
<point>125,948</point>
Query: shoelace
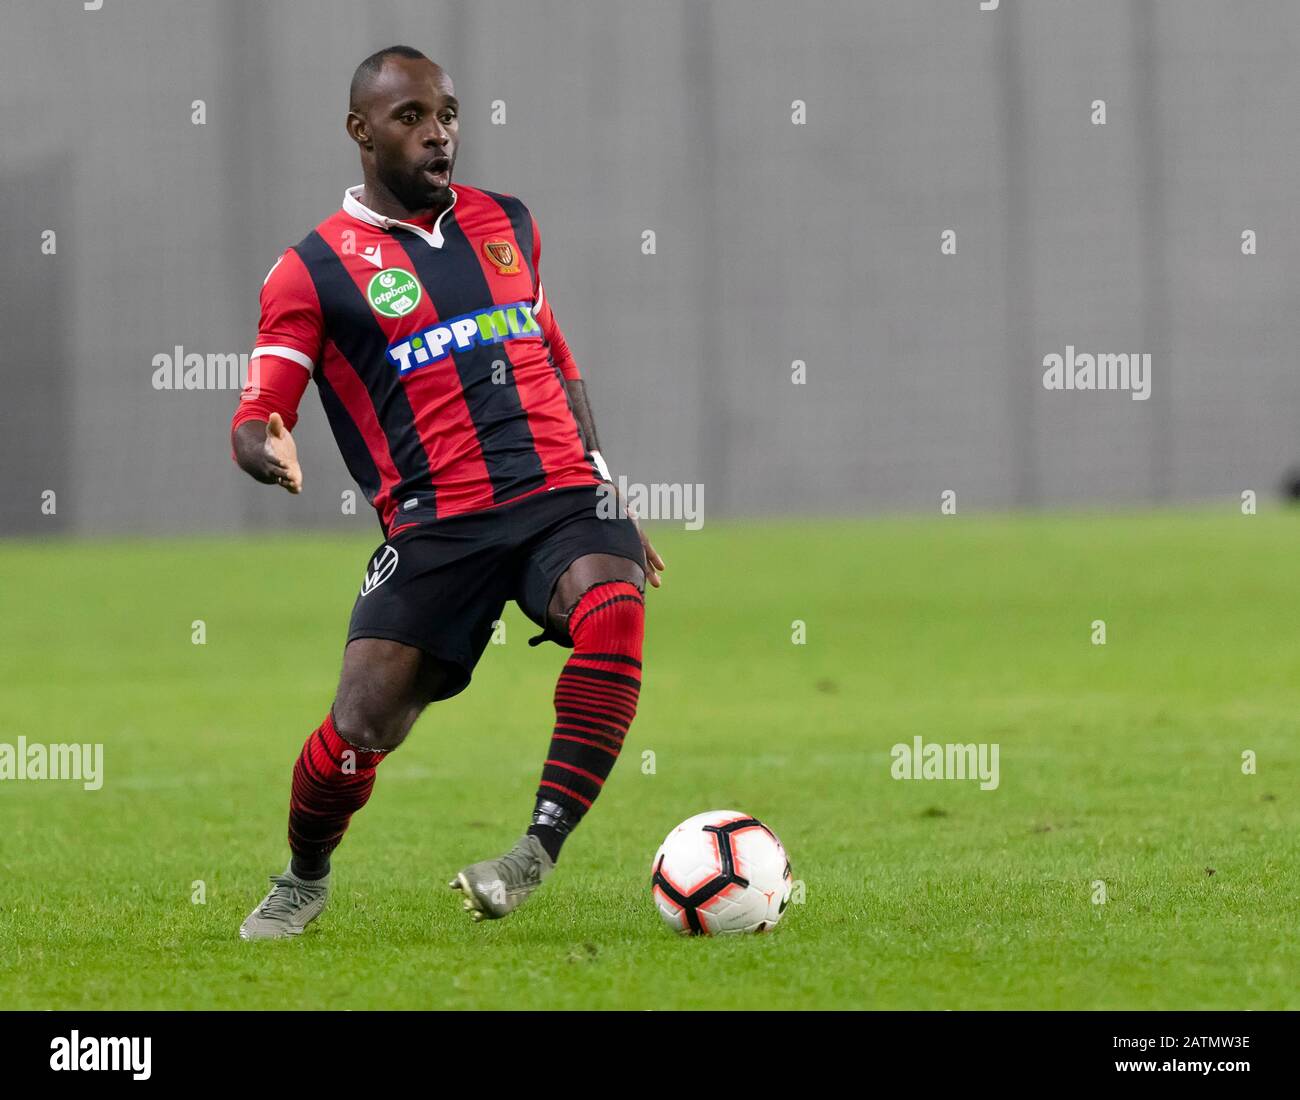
<point>520,860</point>
<point>284,899</point>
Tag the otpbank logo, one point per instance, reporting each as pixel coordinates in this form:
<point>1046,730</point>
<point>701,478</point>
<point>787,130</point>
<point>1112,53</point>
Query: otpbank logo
<point>484,326</point>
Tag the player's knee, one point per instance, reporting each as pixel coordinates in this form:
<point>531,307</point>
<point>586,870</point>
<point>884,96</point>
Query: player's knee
<point>369,729</point>
<point>588,572</point>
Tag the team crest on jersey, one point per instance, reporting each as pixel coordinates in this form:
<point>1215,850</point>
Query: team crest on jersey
<point>503,256</point>
<point>381,568</point>
<point>394,292</point>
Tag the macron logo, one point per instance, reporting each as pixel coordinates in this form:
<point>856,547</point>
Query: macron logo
<point>372,256</point>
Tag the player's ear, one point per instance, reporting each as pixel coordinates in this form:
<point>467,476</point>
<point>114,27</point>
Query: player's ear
<point>359,130</point>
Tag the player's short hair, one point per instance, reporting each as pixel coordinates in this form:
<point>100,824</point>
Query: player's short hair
<point>369,68</point>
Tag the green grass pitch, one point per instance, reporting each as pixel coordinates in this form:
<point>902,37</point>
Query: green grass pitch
<point>1119,763</point>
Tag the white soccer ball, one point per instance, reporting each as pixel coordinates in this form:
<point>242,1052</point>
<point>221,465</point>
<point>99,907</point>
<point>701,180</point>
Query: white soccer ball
<point>720,873</point>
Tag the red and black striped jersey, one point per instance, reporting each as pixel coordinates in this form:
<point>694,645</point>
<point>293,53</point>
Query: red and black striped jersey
<point>437,356</point>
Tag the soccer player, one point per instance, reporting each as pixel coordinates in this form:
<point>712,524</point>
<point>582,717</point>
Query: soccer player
<point>418,311</point>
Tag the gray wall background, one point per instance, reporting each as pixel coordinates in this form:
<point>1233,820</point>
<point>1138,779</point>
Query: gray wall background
<point>775,242</point>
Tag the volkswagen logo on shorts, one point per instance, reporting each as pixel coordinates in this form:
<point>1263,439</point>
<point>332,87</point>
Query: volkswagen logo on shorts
<point>381,568</point>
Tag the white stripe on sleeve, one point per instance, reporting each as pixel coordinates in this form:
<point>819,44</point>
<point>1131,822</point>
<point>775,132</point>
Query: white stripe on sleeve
<point>292,354</point>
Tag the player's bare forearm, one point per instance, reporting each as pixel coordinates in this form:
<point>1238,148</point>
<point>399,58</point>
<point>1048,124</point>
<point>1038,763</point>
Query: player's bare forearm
<point>249,441</point>
<point>577,390</point>
<point>266,452</point>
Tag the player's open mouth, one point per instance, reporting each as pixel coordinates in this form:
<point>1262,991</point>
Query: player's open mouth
<point>439,171</point>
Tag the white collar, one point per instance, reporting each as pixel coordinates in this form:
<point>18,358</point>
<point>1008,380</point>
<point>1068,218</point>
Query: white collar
<point>352,205</point>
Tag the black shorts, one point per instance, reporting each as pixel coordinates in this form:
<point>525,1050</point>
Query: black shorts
<point>440,585</point>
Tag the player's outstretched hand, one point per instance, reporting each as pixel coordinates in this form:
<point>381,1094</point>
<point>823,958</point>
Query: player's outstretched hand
<point>282,455</point>
<point>653,562</point>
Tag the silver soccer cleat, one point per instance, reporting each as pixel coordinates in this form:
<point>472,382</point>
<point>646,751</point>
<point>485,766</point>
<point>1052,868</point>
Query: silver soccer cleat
<point>495,888</point>
<point>292,904</point>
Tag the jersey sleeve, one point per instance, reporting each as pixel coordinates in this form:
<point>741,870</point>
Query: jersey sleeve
<point>288,345</point>
<point>546,317</point>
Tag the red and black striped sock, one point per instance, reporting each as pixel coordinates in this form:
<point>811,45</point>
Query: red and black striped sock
<point>595,702</point>
<point>332,780</point>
